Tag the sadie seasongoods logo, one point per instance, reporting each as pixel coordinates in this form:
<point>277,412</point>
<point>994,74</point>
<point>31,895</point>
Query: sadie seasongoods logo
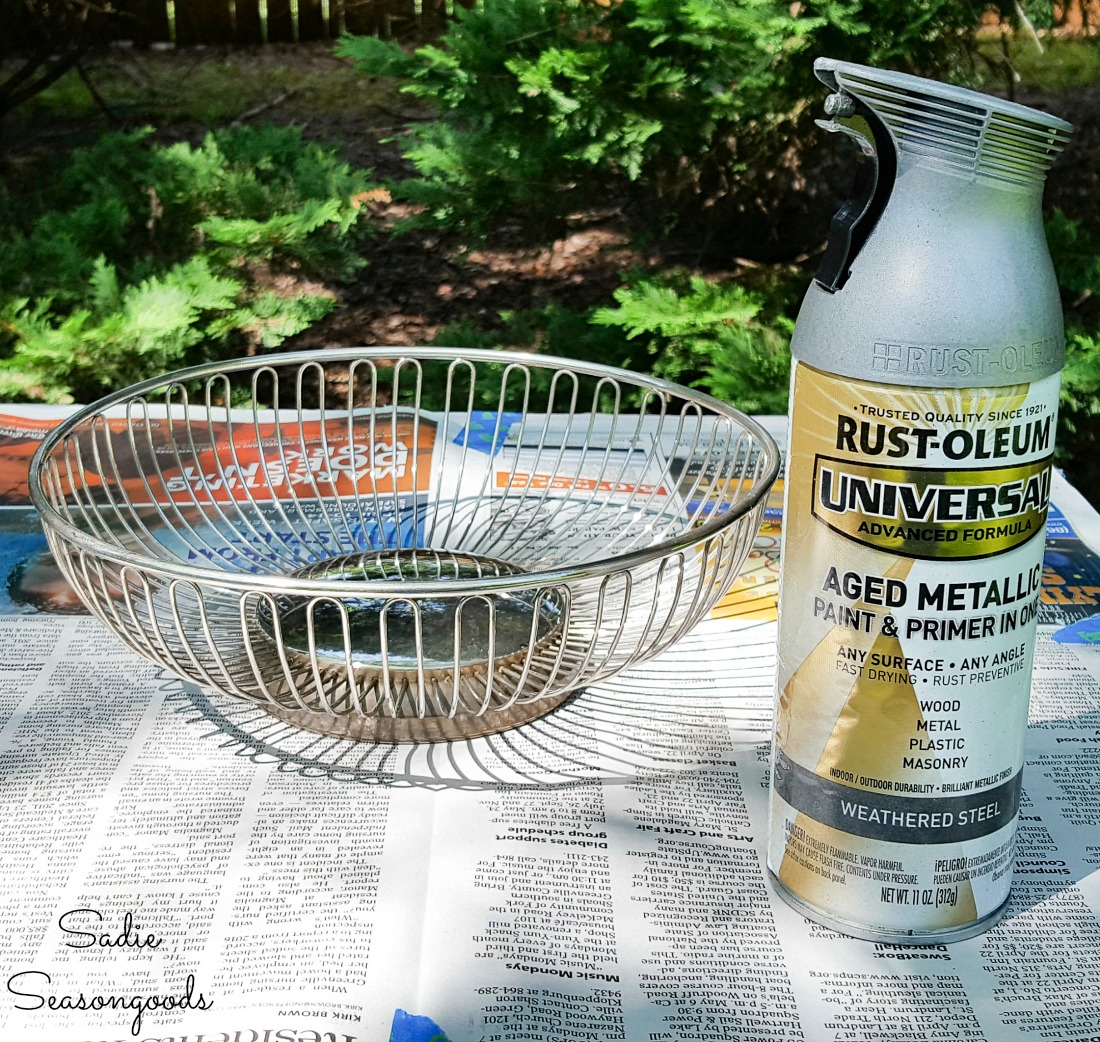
<point>959,512</point>
<point>83,929</point>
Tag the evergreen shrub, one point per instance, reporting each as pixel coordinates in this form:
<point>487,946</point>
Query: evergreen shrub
<point>544,105</point>
<point>139,258</point>
<point>1075,251</point>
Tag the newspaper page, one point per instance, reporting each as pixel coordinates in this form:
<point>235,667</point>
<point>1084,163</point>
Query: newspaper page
<point>182,867</point>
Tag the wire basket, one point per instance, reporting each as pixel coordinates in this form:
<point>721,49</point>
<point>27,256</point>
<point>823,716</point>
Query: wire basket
<point>402,544</point>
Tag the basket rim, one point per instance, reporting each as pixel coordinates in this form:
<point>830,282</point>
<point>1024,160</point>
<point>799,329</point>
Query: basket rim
<point>57,525</point>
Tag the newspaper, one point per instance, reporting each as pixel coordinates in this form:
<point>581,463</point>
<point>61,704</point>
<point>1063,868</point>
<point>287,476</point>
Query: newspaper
<point>181,867</point>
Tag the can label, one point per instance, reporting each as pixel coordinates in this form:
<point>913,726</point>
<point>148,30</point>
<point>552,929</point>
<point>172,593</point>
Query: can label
<point>912,565</point>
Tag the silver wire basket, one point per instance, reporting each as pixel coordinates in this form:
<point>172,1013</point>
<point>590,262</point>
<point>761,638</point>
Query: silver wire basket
<point>402,544</point>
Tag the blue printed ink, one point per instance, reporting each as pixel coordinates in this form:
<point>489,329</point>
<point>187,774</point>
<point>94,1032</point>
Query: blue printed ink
<point>479,433</point>
<point>407,1027</point>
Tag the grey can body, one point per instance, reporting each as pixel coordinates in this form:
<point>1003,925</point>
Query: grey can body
<point>924,401</point>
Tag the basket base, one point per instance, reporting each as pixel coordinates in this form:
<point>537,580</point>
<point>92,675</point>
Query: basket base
<point>405,729</point>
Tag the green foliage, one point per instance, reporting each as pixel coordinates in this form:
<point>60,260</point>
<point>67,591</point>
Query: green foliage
<point>721,337</point>
<point>1080,381</point>
<point>1075,251</point>
<point>550,330</point>
<point>724,338</point>
<point>545,104</point>
<point>140,328</point>
<point>265,193</point>
<point>656,307</point>
<point>144,258</point>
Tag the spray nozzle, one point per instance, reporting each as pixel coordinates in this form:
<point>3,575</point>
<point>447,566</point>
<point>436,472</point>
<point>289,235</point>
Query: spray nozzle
<point>873,182</point>
<point>894,116</point>
<point>839,105</point>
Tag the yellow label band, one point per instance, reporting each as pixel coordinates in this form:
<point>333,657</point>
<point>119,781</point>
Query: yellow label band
<point>932,513</point>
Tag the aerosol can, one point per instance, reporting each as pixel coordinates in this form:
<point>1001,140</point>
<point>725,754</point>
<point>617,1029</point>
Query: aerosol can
<point>924,399</point>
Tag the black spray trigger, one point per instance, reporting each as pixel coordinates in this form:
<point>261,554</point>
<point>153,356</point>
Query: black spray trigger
<point>874,181</point>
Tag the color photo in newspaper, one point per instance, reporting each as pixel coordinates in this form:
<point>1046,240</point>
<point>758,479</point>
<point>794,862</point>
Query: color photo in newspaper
<point>251,491</point>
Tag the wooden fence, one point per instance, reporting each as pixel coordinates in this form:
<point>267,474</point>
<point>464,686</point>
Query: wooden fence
<point>1078,16</point>
<point>243,22</point>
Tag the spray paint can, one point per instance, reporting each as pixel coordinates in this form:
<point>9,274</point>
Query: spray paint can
<point>927,359</point>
